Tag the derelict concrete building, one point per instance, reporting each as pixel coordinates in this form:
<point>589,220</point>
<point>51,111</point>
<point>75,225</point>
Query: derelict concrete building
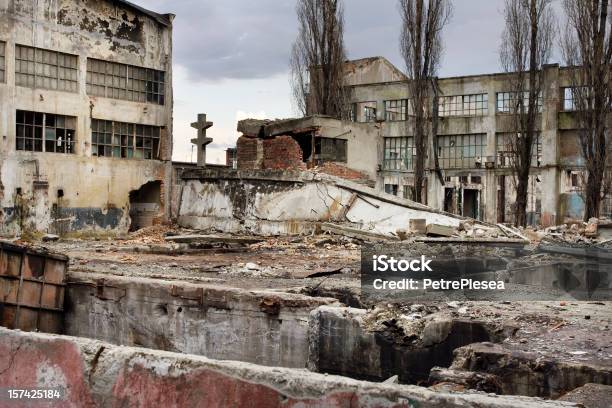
<point>474,129</point>
<point>85,115</point>
<point>474,153</point>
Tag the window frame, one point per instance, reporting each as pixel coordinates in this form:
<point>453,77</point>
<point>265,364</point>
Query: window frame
<point>451,154</point>
<point>464,105</point>
<point>59,69</point>
<point>40,124</point>
<point>401,104</point>
<point>506,153</point>
<point>398,146</point>
<point>3,62</point>
<point>123,140</point>
<point>506,101</point>
<point>115,80</point>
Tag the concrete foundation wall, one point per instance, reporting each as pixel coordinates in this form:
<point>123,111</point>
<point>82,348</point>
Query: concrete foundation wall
<point>339,344</point>
<point>97,374</point>
<point>95,189</point>
<point>224,323</point>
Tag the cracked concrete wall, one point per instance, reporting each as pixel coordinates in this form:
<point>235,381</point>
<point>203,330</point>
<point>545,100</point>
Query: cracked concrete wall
<point>218,322</point>
<point>339,344</point>
<point>98,374</point>
<point>239,202</point>
<point>95,188</point>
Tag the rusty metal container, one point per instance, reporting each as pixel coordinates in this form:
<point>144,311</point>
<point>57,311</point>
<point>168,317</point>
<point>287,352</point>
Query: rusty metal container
<point>32,288</point>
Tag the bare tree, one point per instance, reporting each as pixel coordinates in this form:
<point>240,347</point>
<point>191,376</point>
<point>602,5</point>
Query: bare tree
<point>526,43</point>
<point>587,48</point>
<point>317,59</point>
<point>421,47</point>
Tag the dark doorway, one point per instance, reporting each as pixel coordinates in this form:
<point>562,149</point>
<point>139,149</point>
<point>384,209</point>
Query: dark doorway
<point>501,199</point>
<point>449,198</point>
<point>144,205</point>
<point>470,203</point>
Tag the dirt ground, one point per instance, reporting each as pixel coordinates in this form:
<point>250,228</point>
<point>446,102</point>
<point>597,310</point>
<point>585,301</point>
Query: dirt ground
<point>325,265</point>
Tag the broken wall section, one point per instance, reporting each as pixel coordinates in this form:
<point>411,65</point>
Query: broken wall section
<point>269,202</point>
<point>319,143</point>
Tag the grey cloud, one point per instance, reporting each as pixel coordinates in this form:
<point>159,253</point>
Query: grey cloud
<point>243,39</point>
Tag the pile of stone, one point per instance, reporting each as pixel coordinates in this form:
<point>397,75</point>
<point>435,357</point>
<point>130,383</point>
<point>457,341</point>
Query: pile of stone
<point>594,231</point>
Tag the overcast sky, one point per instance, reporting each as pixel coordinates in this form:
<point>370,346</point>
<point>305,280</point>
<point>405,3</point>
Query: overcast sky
<point>231,56</point>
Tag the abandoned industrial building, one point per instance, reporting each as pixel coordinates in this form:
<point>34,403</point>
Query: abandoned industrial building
<point>86,125</point>
<point>128,279</point>
<point>472,142</point>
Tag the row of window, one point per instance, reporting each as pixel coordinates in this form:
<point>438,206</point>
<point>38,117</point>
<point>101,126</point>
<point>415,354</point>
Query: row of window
<point>40,68</point>
<point>46,132</point>
<point>454,151</point>
<point>456,105</point>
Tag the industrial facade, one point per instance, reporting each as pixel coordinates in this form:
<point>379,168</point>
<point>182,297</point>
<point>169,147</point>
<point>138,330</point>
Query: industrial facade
<point>473,131</point>
<point>85,116</point>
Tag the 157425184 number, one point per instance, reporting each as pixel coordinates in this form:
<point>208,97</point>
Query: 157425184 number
<point>32,393</point>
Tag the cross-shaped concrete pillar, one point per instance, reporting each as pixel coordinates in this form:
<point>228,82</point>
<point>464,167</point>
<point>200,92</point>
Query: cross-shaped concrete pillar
<point>201,141</point>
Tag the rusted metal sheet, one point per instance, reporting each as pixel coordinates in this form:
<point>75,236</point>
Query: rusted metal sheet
<point>32,287</point>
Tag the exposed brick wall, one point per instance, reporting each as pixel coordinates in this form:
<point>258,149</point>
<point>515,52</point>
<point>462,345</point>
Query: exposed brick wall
<point>339,170</point>
<point>247,152</point>
<point>282,152</point>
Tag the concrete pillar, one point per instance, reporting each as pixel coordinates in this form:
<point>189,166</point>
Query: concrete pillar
<point>201,141</point>
<point>550,174</point>
<point>489,195</point>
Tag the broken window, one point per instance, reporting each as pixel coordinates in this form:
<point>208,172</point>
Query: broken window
<point>399,153</point>
<point>127,82</point>
<point>568,99</point>
<point>396,109</point>
<point>39,68</point>
<point>461,151</point>
<point>364,112</point>
<point>45,132</point>
<point>503,148</point>
<point>125,140</point>
<point>571,94</point>
<point>408,192</point>
<point>509,102</point>
<point>2,61</point>
<point>464,105</point>
<point>328,149</point>
<point>391,189</point>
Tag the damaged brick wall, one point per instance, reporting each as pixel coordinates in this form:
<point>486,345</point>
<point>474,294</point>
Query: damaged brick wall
<point>247,153</point>
<point>282,152</point>
<point>339,170</point>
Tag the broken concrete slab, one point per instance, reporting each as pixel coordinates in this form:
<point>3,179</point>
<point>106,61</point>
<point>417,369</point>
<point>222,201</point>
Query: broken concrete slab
<point>527,373</point>
<point>355,233</point>
<point>468,379</point>
<point>590,396</point>
<point>271,202</point>
<point>195,238</point>
<point>438,230</point>
<point>98,374</point>
<point>418,226</point>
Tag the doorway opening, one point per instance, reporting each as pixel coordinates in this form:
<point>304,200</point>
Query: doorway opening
<point>145,204</point>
